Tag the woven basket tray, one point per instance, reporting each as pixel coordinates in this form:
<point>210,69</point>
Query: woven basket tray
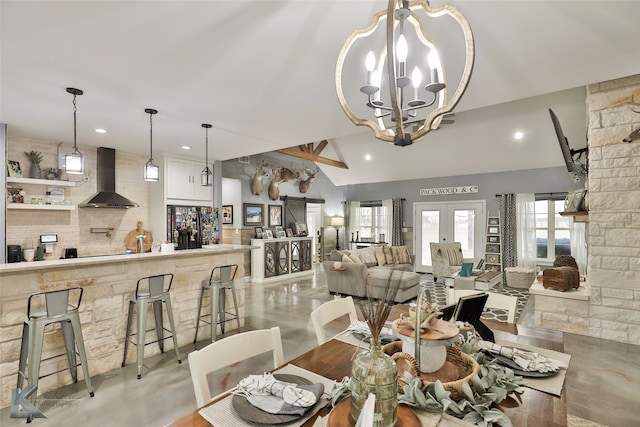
<point>458,368</point>
<point>519,279</point>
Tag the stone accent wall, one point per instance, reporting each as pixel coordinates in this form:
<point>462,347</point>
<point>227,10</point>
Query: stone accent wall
<point>614,211</point>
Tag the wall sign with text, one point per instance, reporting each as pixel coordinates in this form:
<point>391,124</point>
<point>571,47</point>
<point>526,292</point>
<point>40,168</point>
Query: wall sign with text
<point>442,191</point>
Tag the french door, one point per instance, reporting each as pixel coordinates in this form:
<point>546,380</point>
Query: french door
<point>447,222</point>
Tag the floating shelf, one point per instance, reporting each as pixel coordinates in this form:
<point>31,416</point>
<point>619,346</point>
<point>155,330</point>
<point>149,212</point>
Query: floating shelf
<point>28,206</point>
<point>51,182</point>
<point>580,216</point>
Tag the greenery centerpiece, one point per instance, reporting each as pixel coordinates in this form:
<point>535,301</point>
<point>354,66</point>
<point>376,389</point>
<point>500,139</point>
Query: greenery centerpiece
<point>373,371</point>
<point>35,157</point>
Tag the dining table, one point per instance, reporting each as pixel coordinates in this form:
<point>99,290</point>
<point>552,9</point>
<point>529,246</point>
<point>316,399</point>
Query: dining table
<point>531,408</point>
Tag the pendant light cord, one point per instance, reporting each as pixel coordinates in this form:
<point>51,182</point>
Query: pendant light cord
<point>75,108</point>
<point>150,136</point>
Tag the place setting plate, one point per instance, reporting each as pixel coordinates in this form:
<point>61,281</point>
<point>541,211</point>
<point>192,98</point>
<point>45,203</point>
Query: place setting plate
<point>505,361</point>
<point>248,412</point>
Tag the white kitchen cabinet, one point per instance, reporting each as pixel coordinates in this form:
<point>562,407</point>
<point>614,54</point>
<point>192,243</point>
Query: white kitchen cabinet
<point>182,180</point>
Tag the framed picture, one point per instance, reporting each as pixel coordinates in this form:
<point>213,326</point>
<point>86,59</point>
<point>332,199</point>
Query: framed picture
<point>574,201</point>
<point>13,168</point>
<point>289,232</point>
<point>493,221</point>
<point>493,259</point>
<point>493,230</point>
<point>281,234</point>
<point>301,229</point>
<point>268,234</point>
<point>493,248</point>
<point>275,215</point>
<point>253,214</point>
<point>227,214</point>
<point>494,239</point>
<point>258,232</point>
<point>278,229</point>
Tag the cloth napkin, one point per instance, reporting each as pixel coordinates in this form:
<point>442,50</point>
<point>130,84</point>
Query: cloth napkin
<point>361,327</point>
<point>527,360</point>
<point>278,397</point>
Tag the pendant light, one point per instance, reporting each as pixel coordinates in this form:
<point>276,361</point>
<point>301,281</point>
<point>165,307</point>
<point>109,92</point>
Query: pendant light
<point>74,162</point>
<point>151,170</point>
<point>205,175</point>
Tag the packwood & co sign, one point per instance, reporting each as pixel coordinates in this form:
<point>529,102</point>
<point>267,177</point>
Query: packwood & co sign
<point>442,191</point>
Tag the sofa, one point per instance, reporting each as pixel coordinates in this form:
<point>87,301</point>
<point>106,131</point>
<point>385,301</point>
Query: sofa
<point>365,272</point>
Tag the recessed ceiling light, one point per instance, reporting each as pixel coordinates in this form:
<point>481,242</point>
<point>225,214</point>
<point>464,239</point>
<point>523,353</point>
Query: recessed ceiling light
<point>367,156</point>
<point>186,147</point>
<point>98,130</point>
<point>518,135</point>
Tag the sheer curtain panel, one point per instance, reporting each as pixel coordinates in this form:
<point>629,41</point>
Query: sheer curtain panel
<point>526,237</point>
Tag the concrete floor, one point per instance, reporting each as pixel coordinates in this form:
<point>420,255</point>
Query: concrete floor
<point>603,382</point>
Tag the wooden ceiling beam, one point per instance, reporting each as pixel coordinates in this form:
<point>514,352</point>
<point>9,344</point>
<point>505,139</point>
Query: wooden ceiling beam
<point>308,153</point>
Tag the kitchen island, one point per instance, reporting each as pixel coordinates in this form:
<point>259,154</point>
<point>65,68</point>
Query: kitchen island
<point>107,282</point>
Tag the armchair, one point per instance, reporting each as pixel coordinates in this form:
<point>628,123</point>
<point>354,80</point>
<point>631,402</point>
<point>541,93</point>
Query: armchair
<point>446,259</point>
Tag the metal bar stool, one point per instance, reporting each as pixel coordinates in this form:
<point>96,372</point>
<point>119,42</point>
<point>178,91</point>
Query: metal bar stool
<point>48,308</point>
<point>150,290</point>
<point>220,280</point>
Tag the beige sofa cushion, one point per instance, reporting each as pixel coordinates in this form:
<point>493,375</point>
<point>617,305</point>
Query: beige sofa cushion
<point>380,257</point>
<point>367,256</point>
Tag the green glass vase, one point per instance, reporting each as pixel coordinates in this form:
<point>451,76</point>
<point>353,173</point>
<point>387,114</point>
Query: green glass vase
<point>375,372</point>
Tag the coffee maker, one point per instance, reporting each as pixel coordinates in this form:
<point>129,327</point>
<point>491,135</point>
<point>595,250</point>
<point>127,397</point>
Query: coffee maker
<point>14,253</point>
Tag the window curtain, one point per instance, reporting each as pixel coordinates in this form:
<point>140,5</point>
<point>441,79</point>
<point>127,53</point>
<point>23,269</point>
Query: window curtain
<point>526,240</point>
<point>397,238</point>
<point>579,245</point>
<point>388,219</point>
<point>508,221</point>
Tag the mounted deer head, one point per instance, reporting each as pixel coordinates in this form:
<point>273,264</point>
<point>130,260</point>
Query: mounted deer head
<point>288,174</point>
<point>274,189</point>
<point>261,172</point>
<point>304,185</point>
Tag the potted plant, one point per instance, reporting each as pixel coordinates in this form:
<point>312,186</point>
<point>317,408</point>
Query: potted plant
<point>35,157</point>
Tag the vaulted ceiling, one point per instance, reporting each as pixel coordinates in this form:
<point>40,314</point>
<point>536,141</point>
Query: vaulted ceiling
<point>262,72</point>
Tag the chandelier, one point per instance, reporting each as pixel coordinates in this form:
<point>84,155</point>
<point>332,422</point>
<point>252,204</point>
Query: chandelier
<point>398,106</point>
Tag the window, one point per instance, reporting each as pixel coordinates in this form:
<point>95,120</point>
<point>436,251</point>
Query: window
<point>552,230</point>
<point>371,222</point>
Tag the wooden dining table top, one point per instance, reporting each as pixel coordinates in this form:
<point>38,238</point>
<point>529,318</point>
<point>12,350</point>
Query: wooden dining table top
<point>531,408</point>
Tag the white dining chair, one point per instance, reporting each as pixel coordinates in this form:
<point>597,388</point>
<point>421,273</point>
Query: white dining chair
<point>330,311</point>
<point>495,300</point>
<point>228,351</point>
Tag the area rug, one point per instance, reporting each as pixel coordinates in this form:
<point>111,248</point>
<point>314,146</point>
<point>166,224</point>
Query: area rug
<point>438,294</point>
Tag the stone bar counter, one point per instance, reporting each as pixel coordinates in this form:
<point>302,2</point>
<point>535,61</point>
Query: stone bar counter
<point>107,282</point>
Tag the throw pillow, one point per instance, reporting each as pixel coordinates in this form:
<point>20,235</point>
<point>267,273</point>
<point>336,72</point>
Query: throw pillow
<point>335,255</point>
<point>380,258</point>
<point>346,259</point>
<point>368,256</point>
<point>401,254</point>
<point>355,259</point>
<point>388,255</point>
<point>454,256</point>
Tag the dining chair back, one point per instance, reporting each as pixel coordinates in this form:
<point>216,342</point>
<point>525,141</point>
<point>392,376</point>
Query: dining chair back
<point>329,311</point>
<point>228,351</point>
<point>495,300</point>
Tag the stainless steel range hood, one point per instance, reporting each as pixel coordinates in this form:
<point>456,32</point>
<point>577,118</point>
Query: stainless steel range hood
<point>106,197</point>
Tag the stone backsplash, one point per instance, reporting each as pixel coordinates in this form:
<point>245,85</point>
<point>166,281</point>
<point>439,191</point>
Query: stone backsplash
<point>73,228</point>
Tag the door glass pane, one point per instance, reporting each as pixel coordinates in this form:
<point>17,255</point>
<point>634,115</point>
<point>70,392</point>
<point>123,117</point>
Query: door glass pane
<point>430,224</point>
<point>463,231</point>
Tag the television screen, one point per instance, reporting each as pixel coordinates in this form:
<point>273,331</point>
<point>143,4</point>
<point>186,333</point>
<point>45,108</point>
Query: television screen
<point>577,172</point>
